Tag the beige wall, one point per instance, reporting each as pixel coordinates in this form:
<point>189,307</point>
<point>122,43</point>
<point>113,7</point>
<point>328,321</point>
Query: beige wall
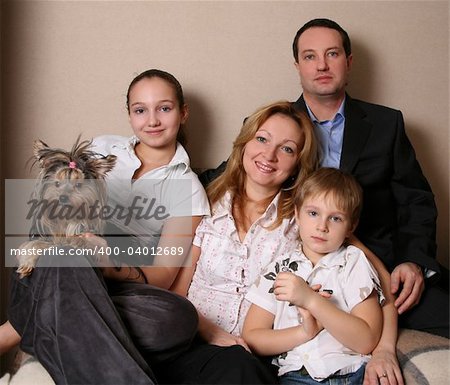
<point>66,67</point>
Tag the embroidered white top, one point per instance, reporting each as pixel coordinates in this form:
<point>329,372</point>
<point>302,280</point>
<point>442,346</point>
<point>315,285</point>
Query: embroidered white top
<point>227,267</point>
<point>351,277</point>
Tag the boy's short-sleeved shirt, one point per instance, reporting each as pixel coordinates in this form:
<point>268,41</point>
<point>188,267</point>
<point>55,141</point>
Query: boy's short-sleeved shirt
<point>350,276</point>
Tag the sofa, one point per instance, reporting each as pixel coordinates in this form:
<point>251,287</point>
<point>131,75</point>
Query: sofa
<point>424,358</point>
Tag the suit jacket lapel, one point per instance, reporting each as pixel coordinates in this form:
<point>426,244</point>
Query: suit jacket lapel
<point>356,133</point>
<point>300,104</point>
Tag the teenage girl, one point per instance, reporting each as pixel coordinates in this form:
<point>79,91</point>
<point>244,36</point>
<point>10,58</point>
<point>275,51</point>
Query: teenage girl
<point>103,325</point>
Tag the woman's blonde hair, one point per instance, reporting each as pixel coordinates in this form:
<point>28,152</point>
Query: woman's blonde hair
<point>233,178</point>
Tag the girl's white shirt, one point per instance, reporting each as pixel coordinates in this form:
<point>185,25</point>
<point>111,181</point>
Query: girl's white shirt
<point>172,188</point>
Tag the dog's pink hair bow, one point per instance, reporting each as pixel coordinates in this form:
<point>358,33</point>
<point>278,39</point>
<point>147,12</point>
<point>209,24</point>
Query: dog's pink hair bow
<point>72,164</point>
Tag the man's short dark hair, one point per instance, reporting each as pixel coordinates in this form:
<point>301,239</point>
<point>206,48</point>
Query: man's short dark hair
<point>326,23</point>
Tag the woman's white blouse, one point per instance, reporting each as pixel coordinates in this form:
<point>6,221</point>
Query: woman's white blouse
<point>227,267</point>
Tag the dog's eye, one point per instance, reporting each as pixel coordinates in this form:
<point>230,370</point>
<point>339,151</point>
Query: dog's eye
<point>57,184</point>
<point>78,185</point>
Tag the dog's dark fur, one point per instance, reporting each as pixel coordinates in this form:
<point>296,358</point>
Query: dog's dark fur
<point>68,180</point>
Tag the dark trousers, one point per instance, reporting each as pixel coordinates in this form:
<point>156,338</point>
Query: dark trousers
<point>212,364</point>
<point>432,313</point>
<point>84,335</point>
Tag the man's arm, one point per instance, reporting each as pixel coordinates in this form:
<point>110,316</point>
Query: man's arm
<point>416,208</point>
<point>415,243</point>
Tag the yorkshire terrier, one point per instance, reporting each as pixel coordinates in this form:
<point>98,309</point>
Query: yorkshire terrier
<point>69,195</point>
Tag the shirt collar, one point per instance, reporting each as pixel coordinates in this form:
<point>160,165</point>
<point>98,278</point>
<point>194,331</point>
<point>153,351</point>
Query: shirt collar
<point>180,158</point>
<point>335,258</point>
<point>340,112</point>
<point>223,208</point>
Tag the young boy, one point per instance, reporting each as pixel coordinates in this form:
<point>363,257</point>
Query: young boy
<point>318,309</point>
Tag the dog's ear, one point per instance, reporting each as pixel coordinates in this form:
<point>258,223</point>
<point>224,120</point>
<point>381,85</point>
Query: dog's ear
<point>101,166</point>
<point>39,150</point>
<point>38,147</point>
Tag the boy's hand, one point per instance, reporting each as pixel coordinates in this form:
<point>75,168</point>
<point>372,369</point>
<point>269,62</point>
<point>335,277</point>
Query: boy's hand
<point>291,288</point>
<point>311,327</point>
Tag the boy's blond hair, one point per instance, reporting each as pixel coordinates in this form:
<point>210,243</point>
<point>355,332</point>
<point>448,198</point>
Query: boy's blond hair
<point>343,187</point>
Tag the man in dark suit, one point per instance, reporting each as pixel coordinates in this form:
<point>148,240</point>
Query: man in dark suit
<point>398,221</point>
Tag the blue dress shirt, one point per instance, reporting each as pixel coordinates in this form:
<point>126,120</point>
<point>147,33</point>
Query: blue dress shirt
<point>330,134</point>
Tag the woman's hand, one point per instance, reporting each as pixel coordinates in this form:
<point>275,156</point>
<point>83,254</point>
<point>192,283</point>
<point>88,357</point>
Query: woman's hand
<point>222,338</point>
<point>383,369</point>
<point>215,335</point>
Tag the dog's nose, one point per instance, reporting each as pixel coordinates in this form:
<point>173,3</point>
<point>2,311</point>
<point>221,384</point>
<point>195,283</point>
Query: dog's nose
<point>63,199</point>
